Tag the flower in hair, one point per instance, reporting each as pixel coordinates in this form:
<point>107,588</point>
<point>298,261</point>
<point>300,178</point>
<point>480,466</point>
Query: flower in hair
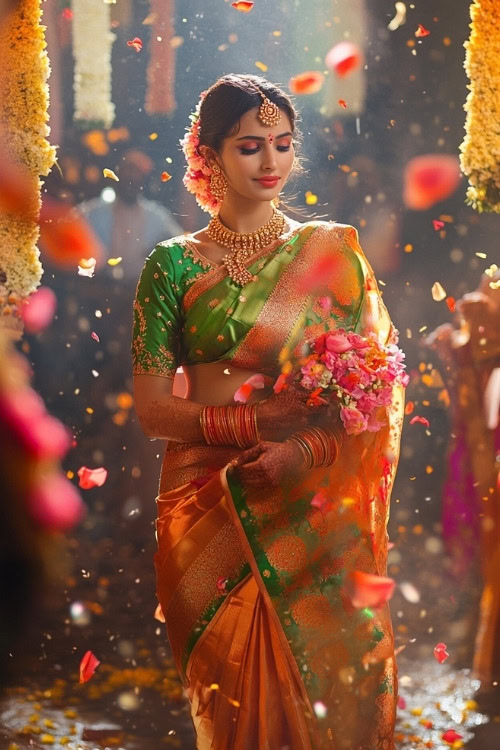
<point>196,179</point>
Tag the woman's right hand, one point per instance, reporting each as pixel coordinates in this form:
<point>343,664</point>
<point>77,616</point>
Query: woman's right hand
<point>284,413</point>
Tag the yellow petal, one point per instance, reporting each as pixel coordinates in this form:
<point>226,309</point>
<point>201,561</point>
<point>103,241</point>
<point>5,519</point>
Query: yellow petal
<point>109,173</point>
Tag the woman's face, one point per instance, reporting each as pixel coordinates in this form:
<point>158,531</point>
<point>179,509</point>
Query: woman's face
<point>257,151</point>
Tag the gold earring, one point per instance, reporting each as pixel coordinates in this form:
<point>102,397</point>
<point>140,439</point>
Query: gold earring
<point>218,183</point>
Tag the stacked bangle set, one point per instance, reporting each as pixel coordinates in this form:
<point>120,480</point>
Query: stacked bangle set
<point>230,425</point>
<point>319,447</point>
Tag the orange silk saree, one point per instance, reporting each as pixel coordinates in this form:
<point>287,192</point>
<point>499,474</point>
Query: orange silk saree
<point>252,581</point>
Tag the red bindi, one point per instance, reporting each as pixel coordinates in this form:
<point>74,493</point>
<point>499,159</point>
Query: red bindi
<point>270,137</point>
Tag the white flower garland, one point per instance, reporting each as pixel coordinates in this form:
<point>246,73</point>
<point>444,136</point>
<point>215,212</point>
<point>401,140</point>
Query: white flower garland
<point>92,44</point>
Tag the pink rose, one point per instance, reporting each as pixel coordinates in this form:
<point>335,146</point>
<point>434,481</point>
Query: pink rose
<point>357,341</point>
<point>338,343</point>
<point>353,420</point>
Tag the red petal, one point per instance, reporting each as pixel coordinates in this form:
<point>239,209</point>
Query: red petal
<point>410,406</point>
<point>422,31</point>
<point>244,7</point>
<point>343,103</point>
<point>450,301</point>
<point>343,58</point>
<point>430,178</point>
<point>90,478</point>
<point>422,420</point>
<point>88,666</point>
<point>136,43</point>
<point>309,82</point>
<point>367,590</point>
<point>65,236</point>
<point>437,224</point>
<point>440,652</point>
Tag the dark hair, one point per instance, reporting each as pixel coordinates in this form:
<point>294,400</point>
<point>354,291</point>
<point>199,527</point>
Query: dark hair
<point>230,97</point>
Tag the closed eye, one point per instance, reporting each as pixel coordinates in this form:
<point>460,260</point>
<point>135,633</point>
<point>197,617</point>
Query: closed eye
<point>248,151</point>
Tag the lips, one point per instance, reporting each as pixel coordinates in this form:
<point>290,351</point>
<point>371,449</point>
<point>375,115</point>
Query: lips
<point>269,182</point>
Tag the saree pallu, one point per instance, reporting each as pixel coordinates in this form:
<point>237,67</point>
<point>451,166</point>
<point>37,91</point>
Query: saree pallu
<point>252,581</point>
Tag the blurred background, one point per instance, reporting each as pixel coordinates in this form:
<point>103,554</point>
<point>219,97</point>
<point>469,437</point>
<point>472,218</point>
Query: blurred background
<point>361,132</point>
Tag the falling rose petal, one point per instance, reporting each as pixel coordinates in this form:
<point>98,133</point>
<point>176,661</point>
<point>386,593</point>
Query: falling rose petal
<point>437,224</point>
<point>451,736</point>
<point>429,179</point>
<point>43,436</point>
<point>343,103</point>
<point>422,31</point>
<point>88,666</point>
<point>309,82</point>
<point>244,7</point>
<point>367,590</point>
<point>86,267</point>
<point>221,584</point>
<point>65,235</point>
<point>451,302</point>
<point>90,478</point>
<point>410,407</point>
<point>109,173</point>
<point>54,504</point>
<point>410,592</point>
<point>95,337</point>
<point>344,58</point>
<point>165,176</point>
<point>256,381</point>
<point>159,614</point>
<point>422,420</point>
<point>440,652</point>
<point>136,43</point>
<point>243,393</point>
<point>67,14</point>
<point>321,502</point>
<point>401,702</point>
<point>438,293</point>
<point>39,309</point>
<point>281,383</point>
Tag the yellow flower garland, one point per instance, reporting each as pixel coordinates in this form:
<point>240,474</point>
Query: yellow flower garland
<point>24,97</point>
<point>480,149</point>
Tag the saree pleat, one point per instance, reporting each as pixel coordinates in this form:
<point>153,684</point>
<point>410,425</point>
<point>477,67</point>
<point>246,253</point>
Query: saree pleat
<point>252,581</point>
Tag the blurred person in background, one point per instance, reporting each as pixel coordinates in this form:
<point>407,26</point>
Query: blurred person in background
<point>469,352</point>
<point>127,223</point>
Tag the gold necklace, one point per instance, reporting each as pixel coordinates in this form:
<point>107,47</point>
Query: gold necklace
<point>244,244</point>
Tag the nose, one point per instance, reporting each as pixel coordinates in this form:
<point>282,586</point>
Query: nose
<point>269,157</point>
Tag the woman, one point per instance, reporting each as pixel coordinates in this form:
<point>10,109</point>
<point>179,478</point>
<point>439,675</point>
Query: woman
<point>469,352</point>
<point>251,574</point>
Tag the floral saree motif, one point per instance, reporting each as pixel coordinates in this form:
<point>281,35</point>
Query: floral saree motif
<point>252,581</point>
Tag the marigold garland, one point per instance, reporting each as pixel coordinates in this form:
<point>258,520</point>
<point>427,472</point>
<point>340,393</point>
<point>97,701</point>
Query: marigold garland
<point>24,98</point>
<point>480,149</point>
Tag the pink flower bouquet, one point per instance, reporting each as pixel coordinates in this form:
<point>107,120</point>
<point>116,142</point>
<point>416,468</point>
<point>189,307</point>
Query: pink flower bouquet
<point>353,371</point>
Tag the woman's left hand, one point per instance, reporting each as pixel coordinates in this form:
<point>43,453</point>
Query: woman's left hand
<point>267,463</point>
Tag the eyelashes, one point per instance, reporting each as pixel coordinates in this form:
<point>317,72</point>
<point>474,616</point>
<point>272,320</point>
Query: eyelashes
<point>248,151</point>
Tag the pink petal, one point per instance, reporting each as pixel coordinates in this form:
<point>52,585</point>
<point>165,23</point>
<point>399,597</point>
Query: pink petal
<point>321,502</point>
<point>39,309</point>
<point>429,179</point>
<point>90,478</point>
<point>422,420</point>
<point>55,504</point>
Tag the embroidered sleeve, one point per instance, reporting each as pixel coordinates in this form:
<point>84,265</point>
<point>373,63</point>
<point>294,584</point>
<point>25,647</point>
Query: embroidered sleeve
<point>156,338</point>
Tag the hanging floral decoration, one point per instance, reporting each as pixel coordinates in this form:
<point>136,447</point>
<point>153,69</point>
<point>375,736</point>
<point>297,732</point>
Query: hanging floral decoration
<point>24,98</point>
<point>160,96</point>
<point>92,44</point>
<point>480,149</point>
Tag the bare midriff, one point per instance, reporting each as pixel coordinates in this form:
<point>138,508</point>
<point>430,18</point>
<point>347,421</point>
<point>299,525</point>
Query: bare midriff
<point>215,383</point>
